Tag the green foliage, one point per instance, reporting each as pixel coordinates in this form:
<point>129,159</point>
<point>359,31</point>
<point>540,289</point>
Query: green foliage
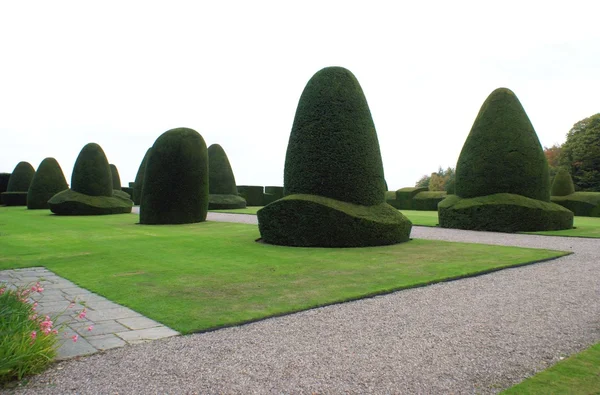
<point>502,153</point>
<point>139,179</point>
<point>4,177</point>
<point>428,200</point>
<point>298,220</point>
<point>116,179</point>
<point>21,177</point>
<point>271,194</point>
<point>423,182</point>
<point>404,197</point>
<point>221,180</point>
<point>225,202</point>
<point>442,180</point>
<point>175,189</point>
<point>562,184</point>
<point>91,173</point>
<point>47,182</point>
<point>333,149</point>
<point>253,194</point>
<point>14,198</point>
<point>584,204</point>
<point>70,202</point>
<point>581,154</point>
<point>503,212</point>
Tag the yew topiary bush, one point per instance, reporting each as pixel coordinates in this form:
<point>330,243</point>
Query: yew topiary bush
<point>175,187</point>
<point>4,177</point>
<point>223,193</point>
<point>139,179</point>
<point>18,185</point>
<point>562,184</point>
<point>333,176</point>
<point>47,182</point>
<point>116,179</point>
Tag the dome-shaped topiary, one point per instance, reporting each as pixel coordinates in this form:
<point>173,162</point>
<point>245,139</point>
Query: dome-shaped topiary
<point>18,185</point>
<point>139,179</point>
<point>562,184</point>
<point>502,153</point>
<point>47,182</point>
<point>116,179</point>
<point>333,149</point>
<point>4,177</point>
<point>223,193</point>
<point>176,179</point>
<point>91,173</point>
<point>333,175</point>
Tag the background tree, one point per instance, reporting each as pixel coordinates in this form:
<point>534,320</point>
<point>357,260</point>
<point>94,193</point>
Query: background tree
<point>553,156</point>
<point>580,154</point>
<point>442,180</point>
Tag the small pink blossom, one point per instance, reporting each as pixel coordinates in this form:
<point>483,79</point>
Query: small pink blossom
<point>2,290</point>
<point>71,305</point>
<point>55,331</point>
<point>90,328</point>
<point>82,314</point>
<point>33,335</point>
<point>40,289</point>
<point>74,337</point>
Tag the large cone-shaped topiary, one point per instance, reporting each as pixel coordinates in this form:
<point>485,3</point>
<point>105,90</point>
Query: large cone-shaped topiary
<point>47,182</point>
<point>91,190</point>
<point>502,179</point>
<point>176,179</point>
<point>139,179</point>
<point>333,175</point>
<point>18,185</point>
<point>223,193</point>
<point>562,184</point>
<point>116,179</point>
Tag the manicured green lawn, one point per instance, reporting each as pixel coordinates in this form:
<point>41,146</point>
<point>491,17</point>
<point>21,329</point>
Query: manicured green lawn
<point>578,374</point>
<point>201,276</point>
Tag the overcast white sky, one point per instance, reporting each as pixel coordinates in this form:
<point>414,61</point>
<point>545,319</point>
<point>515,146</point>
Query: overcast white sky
<point>120,73</point>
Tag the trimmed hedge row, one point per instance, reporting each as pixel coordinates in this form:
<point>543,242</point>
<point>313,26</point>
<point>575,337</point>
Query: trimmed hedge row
<point>253,194</point>
<point>503,212</point>
<point>47,182</point>
<point>428,200</point>
<point>225,202</point>
<point>415,198</point>
<point>272,193</point>
<point>585,204</point>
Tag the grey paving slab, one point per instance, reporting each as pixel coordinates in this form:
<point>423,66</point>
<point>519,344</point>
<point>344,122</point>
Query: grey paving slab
<point>101,304</point>
<point>139,323</point>
<point>106,342</point>
<point>112,314</point>
<point>100,328</point>
<point>147,334</point>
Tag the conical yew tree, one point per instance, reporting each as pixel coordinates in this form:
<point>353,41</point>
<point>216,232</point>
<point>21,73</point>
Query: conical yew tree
<point>47,182</point>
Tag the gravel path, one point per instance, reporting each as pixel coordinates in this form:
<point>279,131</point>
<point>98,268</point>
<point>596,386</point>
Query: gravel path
<point>476,335</point>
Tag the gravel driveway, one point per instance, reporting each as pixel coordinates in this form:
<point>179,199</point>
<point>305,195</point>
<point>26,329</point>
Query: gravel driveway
<point>476,335</point>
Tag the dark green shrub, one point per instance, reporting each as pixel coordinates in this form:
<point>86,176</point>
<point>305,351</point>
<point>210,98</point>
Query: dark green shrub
<point>502,153</point>
<point>562,184</point>
<point>91,173</point>
<point>584,204</point>
<point>139,179</point>
<point>580,154</point>
<point>253,194</point>
<point>225,202</point>
<point>271,194</point>
<point>333,149</point>
<point>223,193</point>
<point>69,202</point>
<point>333,176</point>
<point>428,200</point>
<point>316,221</point>
<point>116,179</point>
<point>128,190</point>
<point>47,182</point>
<point>4,177</point>
<point>503,212</point>
<point>18,185</point>
<point>175,189</point>
<point>404,197</point>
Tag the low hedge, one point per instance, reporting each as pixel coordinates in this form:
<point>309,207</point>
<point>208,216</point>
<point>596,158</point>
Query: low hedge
<point>428,200</point>
<point>271,194</point>
<point>404,197</point>
<point>252,194</point>
<point>225,202</point>
<point>69,202</point>
<point>14,198</point>
<point>4,177</point>
<point>503,212</point>
<point>584,204</point>
<point>128,190</point>
<point>316,221</point>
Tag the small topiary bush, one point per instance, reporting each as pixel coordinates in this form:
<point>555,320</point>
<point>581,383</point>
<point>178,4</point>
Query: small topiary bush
<point>18,185</point>
<point>253,194</point>
<point>428,200</point>
<point>175,189</point>
<point>333,176</point>
<point>139,179</point>
<point>47,182</point>
<point>584,204</point>
<point>116,179</point>
<point>91,190</point>
<point>223,193</point>
<point>562,184</point>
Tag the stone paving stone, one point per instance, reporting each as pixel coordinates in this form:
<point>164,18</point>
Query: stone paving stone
<point>100,328</point>
<point>68,348</point>
<point>111,314</point>
<point>139,323</point>
<point>53,307</point>
<point>102,304</point>
<point>147,334</point>
<point>106,342</point>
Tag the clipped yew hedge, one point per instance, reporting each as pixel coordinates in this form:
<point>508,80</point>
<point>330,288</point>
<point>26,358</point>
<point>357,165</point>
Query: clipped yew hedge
<point>18,185</point>
<point>562,184</point>
<point>253,194</point>
<point>584,204</point>
<point>116,179</point>
<point>47,182</point>
<point>223,193</point>
<point>4,177</point>
<point>139,179</point>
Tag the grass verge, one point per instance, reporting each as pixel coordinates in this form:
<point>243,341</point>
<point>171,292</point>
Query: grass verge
<point>203,276</point>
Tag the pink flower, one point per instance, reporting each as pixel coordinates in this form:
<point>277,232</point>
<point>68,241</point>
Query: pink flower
<point>55,331</point>
<point>74,337</point>
<point>82,314</point>
<point>2,290</point>
<point>40,289</point>
<point>33,317</point>
<point>71,305</point>
<point>90,328</point>
<point>33,335</point>
<point>35,305</point>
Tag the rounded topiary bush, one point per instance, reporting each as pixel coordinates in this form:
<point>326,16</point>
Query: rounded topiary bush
<point>91,190</point>
<point>333,175</point>
<point>116,179</point>
<point>223,193</point>
<point>139,179</point>
<point>4,177</point>
<point>502,153</point>
<point>562,184</point>
<point>175,187</point>
<point>18,185</point>
<point>47,182</point>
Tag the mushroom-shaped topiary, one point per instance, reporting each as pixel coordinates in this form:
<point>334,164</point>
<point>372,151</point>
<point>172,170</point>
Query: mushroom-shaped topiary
<point>502,175</point>
<point>116,179</point>
<point>18,185</point>
<point>139,179</point>
<point>176,179</point>
<point>223,193</point>
<point>562,184</point>
<point>47,182</point>
<point>333,175</point>
<point>91,190</point>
